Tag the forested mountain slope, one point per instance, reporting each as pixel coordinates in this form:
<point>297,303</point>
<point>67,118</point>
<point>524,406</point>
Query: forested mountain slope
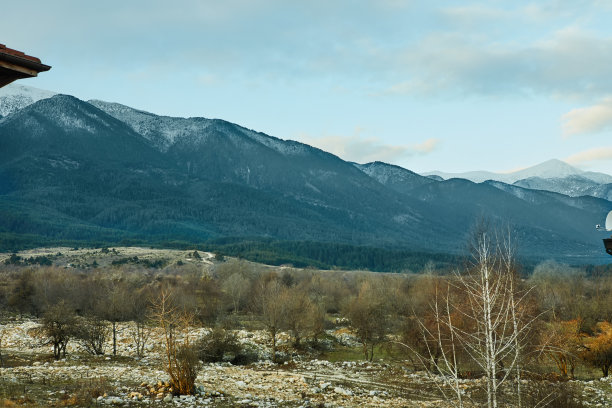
<point>72,170</point>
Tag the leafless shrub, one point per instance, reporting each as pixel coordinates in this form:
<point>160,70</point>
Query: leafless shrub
<point>181,358</point>
<point>91,331</point>
<point>140,333</point>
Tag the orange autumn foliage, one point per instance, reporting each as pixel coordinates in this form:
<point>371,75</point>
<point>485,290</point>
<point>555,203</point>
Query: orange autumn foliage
<point>598,348</point>
<point>563,343</point>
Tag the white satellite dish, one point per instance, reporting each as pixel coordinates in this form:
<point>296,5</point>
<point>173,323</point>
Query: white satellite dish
<point>608,241</point>
<point>608,225</point>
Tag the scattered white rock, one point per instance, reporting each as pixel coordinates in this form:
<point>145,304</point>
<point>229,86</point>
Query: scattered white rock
<point>342,391</point>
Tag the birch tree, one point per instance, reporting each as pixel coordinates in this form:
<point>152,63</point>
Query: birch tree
<point>481,313</point>
<point>499,324</point>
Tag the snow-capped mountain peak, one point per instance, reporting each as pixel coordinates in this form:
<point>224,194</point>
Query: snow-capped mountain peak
<point>14,97</point>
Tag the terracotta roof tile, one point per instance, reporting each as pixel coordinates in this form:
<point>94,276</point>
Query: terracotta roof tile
<point>10,51</point>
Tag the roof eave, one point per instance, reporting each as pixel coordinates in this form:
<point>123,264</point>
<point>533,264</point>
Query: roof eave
<point>24,63</point>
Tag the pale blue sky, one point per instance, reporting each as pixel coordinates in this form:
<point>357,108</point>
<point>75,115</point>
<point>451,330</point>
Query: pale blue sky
<point>446,85</point>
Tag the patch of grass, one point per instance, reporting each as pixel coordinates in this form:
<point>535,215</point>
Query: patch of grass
<point>343,353</point>
<point>83,391</point>
<point>50,391</point>
<point>11,390</point>
<point>582,372</point>
<point>14,393</point>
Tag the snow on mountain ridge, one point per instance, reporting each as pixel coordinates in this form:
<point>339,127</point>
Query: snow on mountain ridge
<point>162,131</point>
<point>518,192</point>
<point>600,178</point>
<point>573,186</point>
<point>287,147</point>
<point>383,172</point>
<point>549,169</point>
<point>165,131</point>
<point>14,97</point>
<point>477,176</point>
<point>64,111</point>
<point>395,177</point>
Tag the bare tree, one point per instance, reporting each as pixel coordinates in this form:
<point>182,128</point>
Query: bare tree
<point>22,295</point>
<point>114,306</point>
<point>369,317</point>
<point>497,326</point>
<point>138,312</point>
<point>236,286</point>
<point>271,307</point>
<point>92,331</point>
<point>299,313</point>
<point>58,327</point>
<point>316,320</point>
<point>140,334</point>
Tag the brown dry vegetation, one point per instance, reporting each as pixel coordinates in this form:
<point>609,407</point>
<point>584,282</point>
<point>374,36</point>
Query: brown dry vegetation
<point>86,295</point>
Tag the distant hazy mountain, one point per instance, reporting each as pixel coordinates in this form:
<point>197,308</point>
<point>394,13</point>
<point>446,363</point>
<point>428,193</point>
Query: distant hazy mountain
<point>549,169</point>
<point>72,170</point>
<point>14,97</point>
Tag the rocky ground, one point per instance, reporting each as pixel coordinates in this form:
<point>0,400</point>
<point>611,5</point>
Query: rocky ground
<point>30,377</point>
<point>35,378</point>
<point>88,257</point>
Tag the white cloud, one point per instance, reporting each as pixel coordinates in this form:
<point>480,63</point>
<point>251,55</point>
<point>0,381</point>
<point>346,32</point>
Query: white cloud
<point>421,48</point>
<point>587,157</point>
<point>591,119</point>
<point>427,146</point>
<point>361,149</point>
<point>569,62</point>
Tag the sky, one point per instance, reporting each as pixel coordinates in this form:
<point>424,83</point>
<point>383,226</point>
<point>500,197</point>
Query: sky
<point>428,85</point>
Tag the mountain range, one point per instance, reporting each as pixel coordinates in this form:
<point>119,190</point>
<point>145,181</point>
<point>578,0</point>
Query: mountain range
<point>552,175</point>
<point>97,171</point>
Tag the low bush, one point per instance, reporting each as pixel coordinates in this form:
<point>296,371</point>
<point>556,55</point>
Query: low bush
<point>222,345</point>
<point>218,345</point>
